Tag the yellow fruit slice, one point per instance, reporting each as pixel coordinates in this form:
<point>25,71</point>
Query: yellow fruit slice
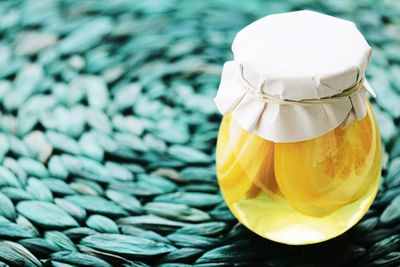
<point>322,175</point>
<point>243,158</point>
<point>264,180</point>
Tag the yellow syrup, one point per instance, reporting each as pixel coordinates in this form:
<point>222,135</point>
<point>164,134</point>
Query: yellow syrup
<point>301,192</point>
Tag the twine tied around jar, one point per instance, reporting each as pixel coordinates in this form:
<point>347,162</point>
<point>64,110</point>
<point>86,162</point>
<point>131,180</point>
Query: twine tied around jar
<point>268,98</point>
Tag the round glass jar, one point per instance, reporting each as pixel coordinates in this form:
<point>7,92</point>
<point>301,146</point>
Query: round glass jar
<point>300,192</point>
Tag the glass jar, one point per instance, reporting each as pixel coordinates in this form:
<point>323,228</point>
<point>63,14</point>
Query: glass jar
<point>300,192</point>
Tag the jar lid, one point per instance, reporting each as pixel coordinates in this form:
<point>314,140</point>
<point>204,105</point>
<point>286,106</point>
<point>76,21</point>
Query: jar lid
<point>293,58</point>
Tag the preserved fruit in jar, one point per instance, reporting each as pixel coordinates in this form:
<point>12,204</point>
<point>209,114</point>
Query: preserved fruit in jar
<point>299,151</point>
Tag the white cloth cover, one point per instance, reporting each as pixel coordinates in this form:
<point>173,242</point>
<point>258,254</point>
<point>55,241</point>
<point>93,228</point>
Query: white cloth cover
<point>294,56</point>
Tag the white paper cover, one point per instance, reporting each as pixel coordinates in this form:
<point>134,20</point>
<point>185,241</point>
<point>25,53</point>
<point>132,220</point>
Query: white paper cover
<point>294,56</point>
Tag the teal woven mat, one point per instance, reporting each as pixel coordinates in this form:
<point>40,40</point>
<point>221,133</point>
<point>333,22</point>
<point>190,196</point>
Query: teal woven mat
<point>108,134</point>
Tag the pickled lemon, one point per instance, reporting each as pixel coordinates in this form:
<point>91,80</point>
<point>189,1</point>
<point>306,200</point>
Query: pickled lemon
<point>245,161</point>
<point>321,175</point>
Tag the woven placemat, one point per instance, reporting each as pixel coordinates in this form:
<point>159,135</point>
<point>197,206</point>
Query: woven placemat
<point>108,134</point>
